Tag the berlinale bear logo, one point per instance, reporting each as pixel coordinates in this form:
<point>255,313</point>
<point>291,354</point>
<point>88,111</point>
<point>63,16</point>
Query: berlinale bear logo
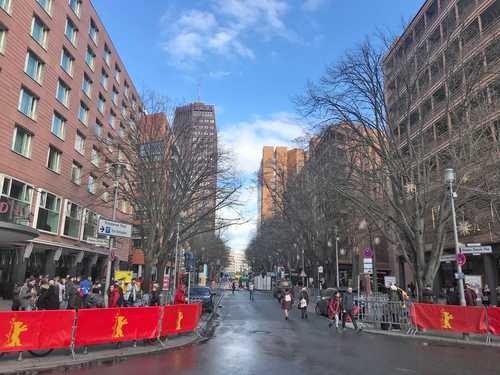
<point>120,322</point>
<point>178,324</point>
<point>14,336</point>
<point>446,319</point>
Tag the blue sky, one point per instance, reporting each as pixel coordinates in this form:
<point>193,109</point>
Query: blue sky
<point>247,57</point>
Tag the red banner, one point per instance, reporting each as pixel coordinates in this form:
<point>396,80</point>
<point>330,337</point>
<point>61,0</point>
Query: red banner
<point>31,330</point>
<point>100,326</point>
<point>449,318</point>
<point>494,320</point>
<point>180,318</point>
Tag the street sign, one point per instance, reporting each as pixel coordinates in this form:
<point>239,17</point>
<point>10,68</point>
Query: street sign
<point>448,258</point>
<point>367,265</point>
<point>320,269</point>
<point>476,249</point>
<point>461,259</point>
<point>368,252</point>
<point>96,241</point>
<point>114,229</point>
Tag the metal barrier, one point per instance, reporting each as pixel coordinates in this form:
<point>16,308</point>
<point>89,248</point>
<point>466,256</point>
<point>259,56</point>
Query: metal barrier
<point>384,314</point>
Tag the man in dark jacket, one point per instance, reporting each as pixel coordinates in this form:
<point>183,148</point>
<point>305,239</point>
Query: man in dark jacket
<point>52,296</point>
<point>72,294</point>
<point>348,305</point>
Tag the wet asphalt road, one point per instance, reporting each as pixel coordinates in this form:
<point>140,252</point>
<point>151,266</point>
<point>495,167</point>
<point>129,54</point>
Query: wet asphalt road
<point>254,338</point>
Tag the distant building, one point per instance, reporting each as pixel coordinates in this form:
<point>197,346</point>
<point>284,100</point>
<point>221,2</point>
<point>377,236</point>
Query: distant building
<point>196,126</point>
<point>237,263</point>
<point>277,165</point>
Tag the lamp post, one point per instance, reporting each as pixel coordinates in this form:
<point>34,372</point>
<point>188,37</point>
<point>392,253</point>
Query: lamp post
<point>117,168</point>
<point>174,284</point>
<point>449,178</point>
<point>336,229</point>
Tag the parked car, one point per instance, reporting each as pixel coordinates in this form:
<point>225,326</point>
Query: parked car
<point>279,289</point>
<point>204,296</point>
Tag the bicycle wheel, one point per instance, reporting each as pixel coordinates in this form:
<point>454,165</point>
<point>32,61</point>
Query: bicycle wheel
<point>40,353</point>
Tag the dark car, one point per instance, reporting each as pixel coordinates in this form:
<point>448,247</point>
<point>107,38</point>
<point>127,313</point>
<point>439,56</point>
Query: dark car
<point>204,296</point>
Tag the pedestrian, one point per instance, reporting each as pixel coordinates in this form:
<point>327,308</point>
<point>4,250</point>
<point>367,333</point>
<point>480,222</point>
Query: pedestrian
<point>113,296</point>
<point>470,295</point>
<point>287,302</point>
<point>486,295</point>
<point>347,308</point>
<point>25,295</point>
<point>180,296</point>
<point>42,301</point>
<point>94,299</point>
<point>233,286</point>
<point>428,295</point>
<point>251,290</point>
<point>60,288</point>
<point>133,295</point>
<point>85,287</point>
<point>154,299</point>
<point>72,294</point>
<point>334,310</point>
<point>16,302</point>
<point>303,303</point>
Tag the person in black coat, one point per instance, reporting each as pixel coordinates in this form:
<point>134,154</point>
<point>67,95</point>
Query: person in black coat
<point>52,296</point>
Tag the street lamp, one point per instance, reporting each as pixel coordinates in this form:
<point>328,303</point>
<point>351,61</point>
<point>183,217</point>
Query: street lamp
<point>336,230</point>
<point>449,178</point>
<point>118,171</point>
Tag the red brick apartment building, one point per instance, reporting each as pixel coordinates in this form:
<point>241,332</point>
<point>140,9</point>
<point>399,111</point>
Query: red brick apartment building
<point>63,88</point>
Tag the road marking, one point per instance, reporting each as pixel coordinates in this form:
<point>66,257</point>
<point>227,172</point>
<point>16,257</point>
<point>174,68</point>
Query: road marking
<point>406,370</point>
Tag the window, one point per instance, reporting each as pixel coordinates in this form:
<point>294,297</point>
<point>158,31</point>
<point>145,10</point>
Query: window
<point>72,220</point>
<point>117,73</point>
<point>76,173</point>
<point>21,141</point>
<point>75,6</point>
<point>490,15</point>
<point>21,195</point>
<point>54,159</point>
<point>104,79</point>
<point>124,109</point>
<point>114,96</point>
<point>105,192</point>
<point>125,90</point>
<point>48,212</point>
<point>98,129</point>
<point>111,119</point>
<point>58,125</point>
<point>90,58</point>
<point>62,93</point>
<point>90,225</point>
<point>33,67</point>
<point>93,31</point>
<point>39,31</point>
<point>80,143</point>
<point>87,86</point>
<point>470,33</point>
<point>71,31</point>
<point>3,38</point>
<point>67,62</point>
<point>5,5</point>
<point>83,114</point>
<point>28,103</point>
<point>107,55</point>
<point>46,5</point>
<point>94,156</point>
<point>101,102</point>
<point>465,7</point>
<point>91,184</point>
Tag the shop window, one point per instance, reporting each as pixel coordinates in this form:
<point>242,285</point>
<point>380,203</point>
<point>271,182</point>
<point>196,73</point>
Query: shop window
<point>73,219</point>
<point>48,212</point>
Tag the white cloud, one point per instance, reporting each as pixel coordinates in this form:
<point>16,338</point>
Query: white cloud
<point>312,5</point>
<point>223,30</point>
<point>246,140</point>
<point>220,74</point>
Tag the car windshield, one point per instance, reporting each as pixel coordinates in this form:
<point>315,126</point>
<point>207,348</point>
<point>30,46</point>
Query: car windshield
<point>200,291</point>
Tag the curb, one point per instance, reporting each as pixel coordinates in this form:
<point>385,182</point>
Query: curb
<point>432,338</point>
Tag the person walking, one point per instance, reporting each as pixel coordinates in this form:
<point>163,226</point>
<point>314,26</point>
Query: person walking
<point>251,290</point>
<point>334,310</point>
<point>233,286</point>
<point>287,302</point>
<point>347,308</point>
<point>303,303</point>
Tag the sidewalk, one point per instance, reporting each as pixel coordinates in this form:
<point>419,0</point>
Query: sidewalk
<point>448,337</point>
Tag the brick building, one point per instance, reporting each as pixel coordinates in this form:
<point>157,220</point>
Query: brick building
<point>451,46</point>
<point>276,165</point>
<point>63,90</point>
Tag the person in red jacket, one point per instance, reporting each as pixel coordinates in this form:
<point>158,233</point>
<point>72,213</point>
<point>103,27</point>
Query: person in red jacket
<point>334,309</point>
<point>180,296</point>
<point>113,296</point>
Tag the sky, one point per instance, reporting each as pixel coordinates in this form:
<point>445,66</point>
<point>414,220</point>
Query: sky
<point>249,58</point>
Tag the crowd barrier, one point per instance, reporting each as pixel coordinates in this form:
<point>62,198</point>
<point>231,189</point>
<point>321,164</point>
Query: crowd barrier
<point>59,329</point>
<point>447,318</point>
